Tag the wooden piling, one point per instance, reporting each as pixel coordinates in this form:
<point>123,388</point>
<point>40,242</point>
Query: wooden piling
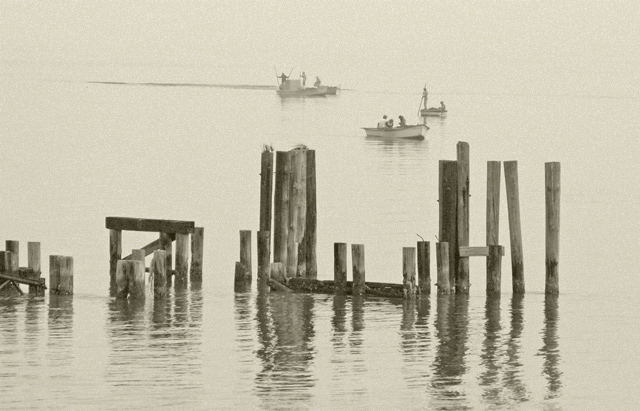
<point>137,290</point>
<point>158,271</point>
<point>245,254</point>
<point>442,261</point>
<point>54,273</point>
<point>552,232</point>
<point>424,267</point>
<point>266,189</point>
<point>340,267</point>
<point>409,272</point>
<point>462,275</point>
<point>65,287</point>
<point>14,247</point>
<point>448,226</point>
<point>297,211</point>
<point>197,251</point>
<point>33,261</point>
<point>242,281</point>
<point>357,256</point>
<point>166,244</point>
<point>493,202</point>
<point>115,254</point>
<point>281,207</point>
<point>515,234</point>
<point>9,266</point>
<point>138,254</point>
<point>277,272</point>
<point>264,256</point>
<point>311,221</point>
<point>494,269</point>
<point>182,259</point>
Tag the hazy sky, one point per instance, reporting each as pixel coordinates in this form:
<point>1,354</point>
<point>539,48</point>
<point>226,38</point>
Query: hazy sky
<point>494,47</point>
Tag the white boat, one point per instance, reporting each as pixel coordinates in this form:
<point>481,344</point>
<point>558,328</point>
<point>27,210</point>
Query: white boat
<point>417,132</point>
<point>293,88</point>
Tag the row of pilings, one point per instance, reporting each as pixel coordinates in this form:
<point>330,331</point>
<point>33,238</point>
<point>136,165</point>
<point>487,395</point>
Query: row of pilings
<point>293,208</point>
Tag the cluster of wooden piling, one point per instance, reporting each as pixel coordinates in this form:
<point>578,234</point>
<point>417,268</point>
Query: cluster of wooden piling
<point>11,274</point>
<point>294,266</point>
<point>128,279</point>
<point>291,206</point>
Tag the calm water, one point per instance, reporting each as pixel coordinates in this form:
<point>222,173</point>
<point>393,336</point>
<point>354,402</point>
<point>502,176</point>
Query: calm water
<point>73,153</point>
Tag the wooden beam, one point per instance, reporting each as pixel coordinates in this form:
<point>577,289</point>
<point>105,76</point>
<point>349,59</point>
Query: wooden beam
<point>21,280</point>
<point>146,224</point>
<point>466,251</point>
<point>151,247</point>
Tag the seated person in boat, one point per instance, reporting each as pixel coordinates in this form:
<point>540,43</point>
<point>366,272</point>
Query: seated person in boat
<point>389,123</point>
<point>383,123</point>
<point>442,107</point>
<point>317,83</point>
<point>403,121</point>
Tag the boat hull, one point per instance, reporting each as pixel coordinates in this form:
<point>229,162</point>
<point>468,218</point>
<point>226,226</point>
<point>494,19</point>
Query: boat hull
<point>417,132</point>
<point>433,112</point>
<point>304,92</point>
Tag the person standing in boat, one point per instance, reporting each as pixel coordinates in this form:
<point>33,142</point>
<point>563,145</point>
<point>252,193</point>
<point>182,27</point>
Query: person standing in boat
<point>425,96</point>
<point>283,78</point>
<point>303,76</point>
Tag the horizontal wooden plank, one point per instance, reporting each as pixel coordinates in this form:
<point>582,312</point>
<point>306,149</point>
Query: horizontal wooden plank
<point>327,287</point>
<point>21,280</point>
<point>476,251</point>
<point>147,224</point>
<point>151,247</point>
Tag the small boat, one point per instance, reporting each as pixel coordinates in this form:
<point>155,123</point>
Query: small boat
<point>332,90</point>
<point>293,88</point>
<point>417,132</point>
<point>433,112</point>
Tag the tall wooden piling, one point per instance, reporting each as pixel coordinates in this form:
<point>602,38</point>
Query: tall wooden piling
<point>266,189</point>
<point>33,261</point>
<point>115,254</point>
<point>462,275</point>
<point>281,207</point>
<point>158,271</point>
<point>494,269</point>
<point>493,202</point>
<point>297,212</point>
<point>197,251</point>
<point>424,267</point>
<point>245,253</point>
<point>54,273</point>
<point>357,256</point>
<point>448,226</point>
<point>409,272</point>
<point>552,232</point>
<point>65,287</point>
<point>515,234</point>
<point>182,259</point>
<point>311,221</point>
<point>9,265</point>
<point>340,267</point>
<point>14,247</point>
<point>264,256</point>
<point>442,261</point>
<point>242,278</point>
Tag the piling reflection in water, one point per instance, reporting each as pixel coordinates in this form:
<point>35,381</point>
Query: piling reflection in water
<point>285,337</point>
<point>550,350</point>
<point>491,350</point>
<point>513,372</point>
<point>451,327</point>
<point>415,342</point>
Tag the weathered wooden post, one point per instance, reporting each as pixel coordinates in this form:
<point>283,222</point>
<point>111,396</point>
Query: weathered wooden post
<point>65,287</point>
<point>182,259</point>
<point>9,265</point>
<point>424,268</point>
<point>462,276</point>
<point>340,267</point>
<point>409,272</point>
<point>245,254</point>
<point>242,282</point>
<point>448,193</point>
<point>515,234</point>
<point>137,289</point>
<point>138,254</point>
<point>115,254</point>
<point>54,273</point>
<point>277,272</point>
<point>493,202</point>
<point>357,256</point>
<point>33,260</point>
<point>158,271</point>
<point>166,244</point>
<point>552,232</point>
<point>264,256</point>
<point>266,189</point>
<point>311,222</point>
<point>14,247</point>
<point>197,251</point>
<point>442,260</point>
<point>297,211</point>
<point>494,269</point>
<point>281,207</point>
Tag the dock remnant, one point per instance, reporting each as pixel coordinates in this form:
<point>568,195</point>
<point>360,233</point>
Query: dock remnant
<point>515,232</point>
<point>424,268</point>
<point>340,267</point>
<point>357,257</point>
<point>443,260</point>
<point>552,232</point>
<point>462,274</point>
<point>12,275</point>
